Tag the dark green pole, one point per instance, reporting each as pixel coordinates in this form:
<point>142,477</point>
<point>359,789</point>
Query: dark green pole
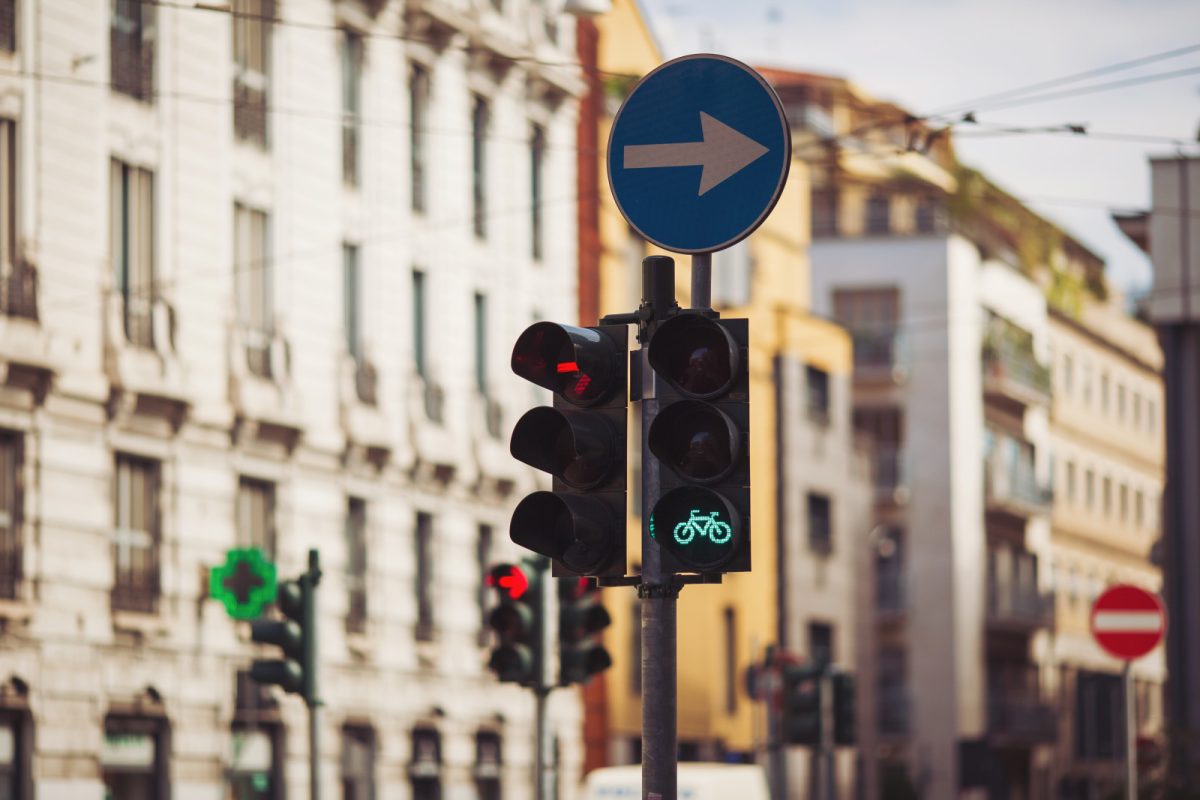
<point>312,696</point>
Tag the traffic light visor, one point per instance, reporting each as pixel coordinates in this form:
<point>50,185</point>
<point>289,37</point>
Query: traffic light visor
<point>695,355</point>
<point>698,441</point>
<point>573,446</point>
<point>577,531</point>
<point>699,526</point>
<point>575,363</point>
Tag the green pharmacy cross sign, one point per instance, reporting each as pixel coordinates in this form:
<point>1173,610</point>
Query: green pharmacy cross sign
<point>245,583</point>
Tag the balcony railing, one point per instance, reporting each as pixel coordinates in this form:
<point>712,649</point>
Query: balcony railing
<point>18,291</point>
<point>132,58</point>
<point>250,108</point>
<point>877,352</point>
<point>1015,484</point>
<point>10,559</point>
<point>1015,373</point>
<point>894,712</point>
<point>1021,715</point>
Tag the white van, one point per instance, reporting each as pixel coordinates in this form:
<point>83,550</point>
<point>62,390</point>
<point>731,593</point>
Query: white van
<point>696,782</point>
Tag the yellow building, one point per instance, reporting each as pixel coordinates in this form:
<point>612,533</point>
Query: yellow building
<point>811,496</point>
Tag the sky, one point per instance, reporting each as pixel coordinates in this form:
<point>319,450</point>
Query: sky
<point>930,55</point>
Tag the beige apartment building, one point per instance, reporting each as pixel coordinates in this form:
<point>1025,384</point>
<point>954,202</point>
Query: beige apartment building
<point>1106,433</point>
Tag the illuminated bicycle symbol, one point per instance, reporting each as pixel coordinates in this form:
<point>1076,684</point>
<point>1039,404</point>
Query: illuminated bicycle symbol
<point>706,525</point>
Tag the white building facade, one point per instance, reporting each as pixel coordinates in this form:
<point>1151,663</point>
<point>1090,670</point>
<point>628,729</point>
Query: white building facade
<point>261,270</point>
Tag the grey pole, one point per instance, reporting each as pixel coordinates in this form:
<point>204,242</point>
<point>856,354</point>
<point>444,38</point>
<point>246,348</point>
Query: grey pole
<point>543,766</point>
<point>312,693</point>
<point>1130,735</point>
<point>702,280</point>
<point>826,790</point>
<point>658,590</point>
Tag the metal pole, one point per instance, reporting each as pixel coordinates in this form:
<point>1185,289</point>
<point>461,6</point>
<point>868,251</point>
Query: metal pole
<point>312,695</point>
<point>658,590</point>
<point>702,280</point>
<point>543,756</point>
<point>1130,735</point>
<point>776,749</point>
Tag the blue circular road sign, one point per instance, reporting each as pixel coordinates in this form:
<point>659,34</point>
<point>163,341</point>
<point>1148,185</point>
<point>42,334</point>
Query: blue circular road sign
<point>699,153</point>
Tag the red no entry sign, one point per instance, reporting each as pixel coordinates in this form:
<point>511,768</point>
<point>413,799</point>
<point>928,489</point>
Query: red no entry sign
<point>1128,622</point>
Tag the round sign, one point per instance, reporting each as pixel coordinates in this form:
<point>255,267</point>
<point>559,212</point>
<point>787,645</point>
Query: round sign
<point>1128,622</point>
<point>698,153</point>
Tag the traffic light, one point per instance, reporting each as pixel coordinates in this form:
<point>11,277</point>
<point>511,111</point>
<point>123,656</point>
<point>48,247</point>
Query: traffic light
<point>580,524</point>
<point>295,670</point>
<point>844,726</point>
<point>802,703</point>
<point>581,616</point>
<point>701,435</point>
<point>517,621</point>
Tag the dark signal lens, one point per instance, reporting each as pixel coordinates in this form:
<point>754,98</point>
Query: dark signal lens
<point>696,440</point>
<point>696,355</point>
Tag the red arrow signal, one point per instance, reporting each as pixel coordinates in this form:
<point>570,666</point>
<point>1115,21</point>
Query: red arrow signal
<point>509,578</point>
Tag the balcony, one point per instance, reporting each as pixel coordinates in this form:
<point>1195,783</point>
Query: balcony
<point>1020,716</point>
<point>1017,605</point>
<point>260,385</point>
<point>878,356</point>
<point>363,422</point>
<point>18,292</point>
<point>1011,486</point>
<point>143,369</point>
<point>24,346</point>
<point>1012,374</point>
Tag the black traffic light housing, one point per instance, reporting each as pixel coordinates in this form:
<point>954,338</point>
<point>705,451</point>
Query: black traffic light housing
<point>294,635</point>
<point>845,729</point>
<point>581,619</point>
<point>701,436</point>
<point>517,621</point>
<point>580,441</point>
<point>801,702</point>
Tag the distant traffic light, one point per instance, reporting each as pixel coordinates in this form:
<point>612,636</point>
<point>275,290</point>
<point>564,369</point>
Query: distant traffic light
<point>581,617</point>
<point>580,524</point>
<point>295,635</point>
<point>701,435</point>
<point>845,729</point>
<point>517,622</point>
<point>802,704</point>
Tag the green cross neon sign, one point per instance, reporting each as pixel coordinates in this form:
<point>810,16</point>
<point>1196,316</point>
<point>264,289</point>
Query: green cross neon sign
<point>245,583</point>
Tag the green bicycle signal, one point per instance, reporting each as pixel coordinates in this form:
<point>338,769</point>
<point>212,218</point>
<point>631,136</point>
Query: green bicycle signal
<point>704,526</point>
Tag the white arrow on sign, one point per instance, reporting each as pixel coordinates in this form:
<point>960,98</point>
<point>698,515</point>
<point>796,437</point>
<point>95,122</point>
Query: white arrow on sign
<point>723,153</point>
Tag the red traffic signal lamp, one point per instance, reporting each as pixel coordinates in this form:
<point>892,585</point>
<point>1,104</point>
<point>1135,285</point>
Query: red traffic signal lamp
<point>580,441</point>
<point>517,622</point>
<point>701,435</point>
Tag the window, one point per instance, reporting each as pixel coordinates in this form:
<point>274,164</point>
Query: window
<point>1107,495</point>
<point>1087,384</point>
<point>1151,417</point>
<point>256,743</point>
<point>425,769</point>
<point>1139,509</point>
<point>133,758</point>
<point>730,622</point>
<point>481,360</point>
<point>132,249</point>
<point>487,765</point>
<point>1123,502</point>
<point>483,563</point>
<point>137,536</point>
<point>878,214</point>
<point>1121,402</point>
<point>1099,716</point>
<point>252,22</point>
<point>356,564</point>
<point>418,110</point>
<point>131,48</point>
<point>253,278</point>
<point>820,642</point>
<point>256,515</point>
<point>873,318</point>
<point>424,583</point>
<point>820,524</point>
<point>929,215</point>
<point>418,322</point>
<point>1104,392</point>
<point>16,736</point>
<point>817,385</point>
<point>1068,374</point>
<point>1070,481</point>
<point>11,505</point>
<point>358,763</point>
<point>1089,488</point>
<point>893,704</point>
<point>824,213</point>
<point>537,167</point>
<point>351,300</point>
<point>8,27</point>
<point>1137,410</point>
<point>352,60</point>
<point>479,132</point>
<point>18,281</point>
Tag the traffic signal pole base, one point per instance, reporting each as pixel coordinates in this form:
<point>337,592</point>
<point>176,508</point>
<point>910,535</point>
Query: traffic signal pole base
<point>659,690</point>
